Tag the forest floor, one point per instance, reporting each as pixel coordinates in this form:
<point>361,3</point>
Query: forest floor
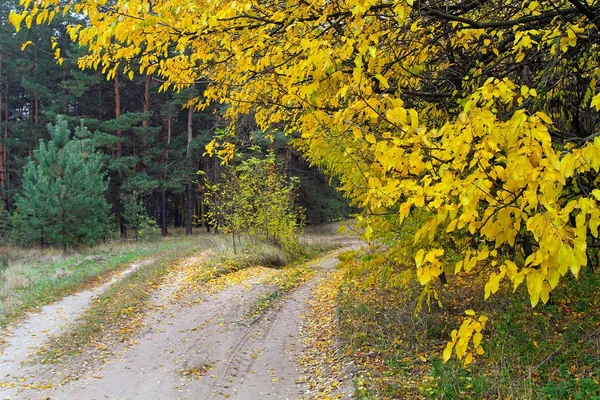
<point>252,333</point>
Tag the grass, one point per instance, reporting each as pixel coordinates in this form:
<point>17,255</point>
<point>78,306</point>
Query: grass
<point>550,352</point>
<point>282,283</point>
<point>31,278</point>
<point>315,241</point>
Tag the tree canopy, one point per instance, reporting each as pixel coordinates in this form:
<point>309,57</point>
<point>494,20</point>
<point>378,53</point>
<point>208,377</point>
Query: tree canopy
<point>480,115</point>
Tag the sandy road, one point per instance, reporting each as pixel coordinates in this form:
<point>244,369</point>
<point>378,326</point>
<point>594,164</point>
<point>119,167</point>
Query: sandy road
<point>27,336</point>
<point>207,348</point>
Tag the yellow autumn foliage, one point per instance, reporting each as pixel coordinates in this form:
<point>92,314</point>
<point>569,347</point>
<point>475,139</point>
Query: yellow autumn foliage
<point>481,115</point>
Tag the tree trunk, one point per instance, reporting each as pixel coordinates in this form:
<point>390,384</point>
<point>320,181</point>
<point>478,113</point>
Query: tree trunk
<point>163,213</point>
<point>117,115</point>
<point>190,209</point>
<point>5,184</point>
<point>145,110</point>
<point>148,81</point>
<point>157,208</point>
<point>4,155</point>
<point>36,117</point>
<point>2,152</point>
<point>165,177</point>
<point>176,205</point>
<point>190,186</point>
<point>118,155</point>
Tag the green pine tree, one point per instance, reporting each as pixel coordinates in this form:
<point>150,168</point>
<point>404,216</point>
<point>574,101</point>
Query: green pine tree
<point>137,219</point>
<point>63,199</point>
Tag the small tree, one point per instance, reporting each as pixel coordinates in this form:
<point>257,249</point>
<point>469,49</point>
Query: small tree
<point>63,193</point>
<point>255,198</point>
<point>136,218</point>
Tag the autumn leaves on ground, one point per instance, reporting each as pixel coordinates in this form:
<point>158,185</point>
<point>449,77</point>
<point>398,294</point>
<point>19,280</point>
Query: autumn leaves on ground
<point>189,322</point>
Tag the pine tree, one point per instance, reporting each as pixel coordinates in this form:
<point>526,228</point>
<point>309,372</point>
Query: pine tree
<point>137,219</point>
<point>63,201</point>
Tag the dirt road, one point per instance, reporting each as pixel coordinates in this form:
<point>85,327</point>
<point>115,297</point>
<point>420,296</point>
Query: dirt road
<point>205,344</point>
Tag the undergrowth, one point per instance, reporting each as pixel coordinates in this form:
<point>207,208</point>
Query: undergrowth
<point>549,352</point>
<point>282,283</point>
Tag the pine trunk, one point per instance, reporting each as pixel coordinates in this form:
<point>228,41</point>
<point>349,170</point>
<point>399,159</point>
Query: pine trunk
<point>146,110</point>
<point>4,155</point>
<point>117,115</point>
<point>190,187</point>
<point>163,213</point>
<point>148,81</point>
<point>165,177</point>
<point>2,152</point>
<point>119,154</point>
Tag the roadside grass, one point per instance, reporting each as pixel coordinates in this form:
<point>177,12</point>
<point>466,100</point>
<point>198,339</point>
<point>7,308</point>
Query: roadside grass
<point>32,278</point>
<point>284,281</point>
<point>549,352</point>
<point>314,243</point>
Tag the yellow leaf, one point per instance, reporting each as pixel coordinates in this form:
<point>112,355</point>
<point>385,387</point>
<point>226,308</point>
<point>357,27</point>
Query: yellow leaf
<point>24,45</point>
<point>468,359</point>
<point>383,81</point>
<point>545,292</point>
<point>419,257</point>
<point>29,20</point>
<point>396,115</point>
<point>477,337</point>
<point>414,118</point>
<point>596,102</point>
<point>16,19</point>
<point>448,351</point>
<point>535,284</point>
<point>452,225</point>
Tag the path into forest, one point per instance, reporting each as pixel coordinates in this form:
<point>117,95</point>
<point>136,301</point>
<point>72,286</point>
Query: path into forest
<point>198,345</point>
